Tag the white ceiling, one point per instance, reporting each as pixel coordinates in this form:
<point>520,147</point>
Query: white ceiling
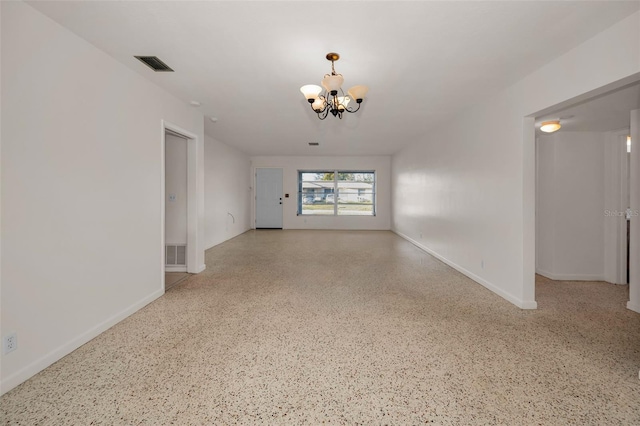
<point>245,61</point>
<point>601,114</point>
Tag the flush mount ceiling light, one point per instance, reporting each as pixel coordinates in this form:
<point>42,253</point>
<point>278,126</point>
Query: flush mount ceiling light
<point>550,126</point>
<point>329,101</point>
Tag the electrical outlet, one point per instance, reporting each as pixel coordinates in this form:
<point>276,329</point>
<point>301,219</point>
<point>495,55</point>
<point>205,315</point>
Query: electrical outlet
<point>9,343</point>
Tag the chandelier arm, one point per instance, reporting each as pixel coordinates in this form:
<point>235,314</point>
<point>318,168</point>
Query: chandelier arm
<point>352,111</point>
<point>324,99</point>
<point>323,114</point>
<point>311,106</point>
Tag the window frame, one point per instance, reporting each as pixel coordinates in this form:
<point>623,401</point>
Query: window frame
<point>336,172</point>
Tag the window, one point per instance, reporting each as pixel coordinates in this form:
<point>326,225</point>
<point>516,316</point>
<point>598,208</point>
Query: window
<point>337,193</point>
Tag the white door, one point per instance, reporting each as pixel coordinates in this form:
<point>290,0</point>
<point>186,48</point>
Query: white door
<point>269,198</point>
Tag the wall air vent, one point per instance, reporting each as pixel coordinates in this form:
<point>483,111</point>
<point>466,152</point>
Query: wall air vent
<point>175,255</point>
<point>314,143</point>
<point>154,63</point>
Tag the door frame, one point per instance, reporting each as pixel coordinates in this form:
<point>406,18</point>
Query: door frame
<point>192,197</point>
<point>255,195</point>
<point>623,183</point>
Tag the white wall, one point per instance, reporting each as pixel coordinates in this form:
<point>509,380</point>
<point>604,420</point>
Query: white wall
<point>175,190</point>
<point>570,200</point>
<point>227,192</point>
<point>291,165</point>
<point>468,187</point>
<point>81,189</point>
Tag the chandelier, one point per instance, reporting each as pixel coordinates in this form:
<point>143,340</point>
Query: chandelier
<point>329,101</point>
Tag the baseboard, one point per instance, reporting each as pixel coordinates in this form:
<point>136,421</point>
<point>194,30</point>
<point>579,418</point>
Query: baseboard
<point>633,306</point>
<point>522,304</point>
<point>569,277</point>
<point>230,238</point>
<point>527,304</point>
<point>35,367</point>
<point>201,268</point>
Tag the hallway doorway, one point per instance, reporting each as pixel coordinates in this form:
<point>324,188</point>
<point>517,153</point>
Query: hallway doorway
<point>584,186</point>
<point>179,203</point>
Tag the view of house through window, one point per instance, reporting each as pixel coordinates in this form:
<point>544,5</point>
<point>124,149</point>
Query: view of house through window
<point>336,192</point>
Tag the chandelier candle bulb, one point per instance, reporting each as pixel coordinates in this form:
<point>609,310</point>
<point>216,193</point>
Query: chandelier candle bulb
<point>323,103</point>
<point>343,101</point>
<point>318,104</point>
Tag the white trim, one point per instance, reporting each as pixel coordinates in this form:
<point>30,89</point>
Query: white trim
<point>175,268</point>
<point>40,364</point>
<point>523,304</point>
<point>200,269</point>
<point>634,231</point>
<point>633,307</point>
<point>528,209</point>
<point>569,277</point>
<point>624,182</point>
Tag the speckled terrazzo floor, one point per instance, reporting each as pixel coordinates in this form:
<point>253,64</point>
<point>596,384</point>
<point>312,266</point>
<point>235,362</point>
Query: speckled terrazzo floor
<point>310,327</point>
<point>173,278</point>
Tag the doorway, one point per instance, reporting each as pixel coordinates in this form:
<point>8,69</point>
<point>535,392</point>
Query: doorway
<point>268,198</point>
<point>178,205</point>
<point>586,214</point>
<point>175,213</point>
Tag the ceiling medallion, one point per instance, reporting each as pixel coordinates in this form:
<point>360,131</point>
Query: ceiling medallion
<point>329,101</point>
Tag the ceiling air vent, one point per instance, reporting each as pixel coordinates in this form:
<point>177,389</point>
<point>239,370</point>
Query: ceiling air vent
<point>154,63</point>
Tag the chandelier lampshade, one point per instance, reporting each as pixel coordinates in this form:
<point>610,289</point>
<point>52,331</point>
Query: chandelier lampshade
<point>333,100</point>
<point>358,92</point>
<point>311,91</point>
<point>332,82</point>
